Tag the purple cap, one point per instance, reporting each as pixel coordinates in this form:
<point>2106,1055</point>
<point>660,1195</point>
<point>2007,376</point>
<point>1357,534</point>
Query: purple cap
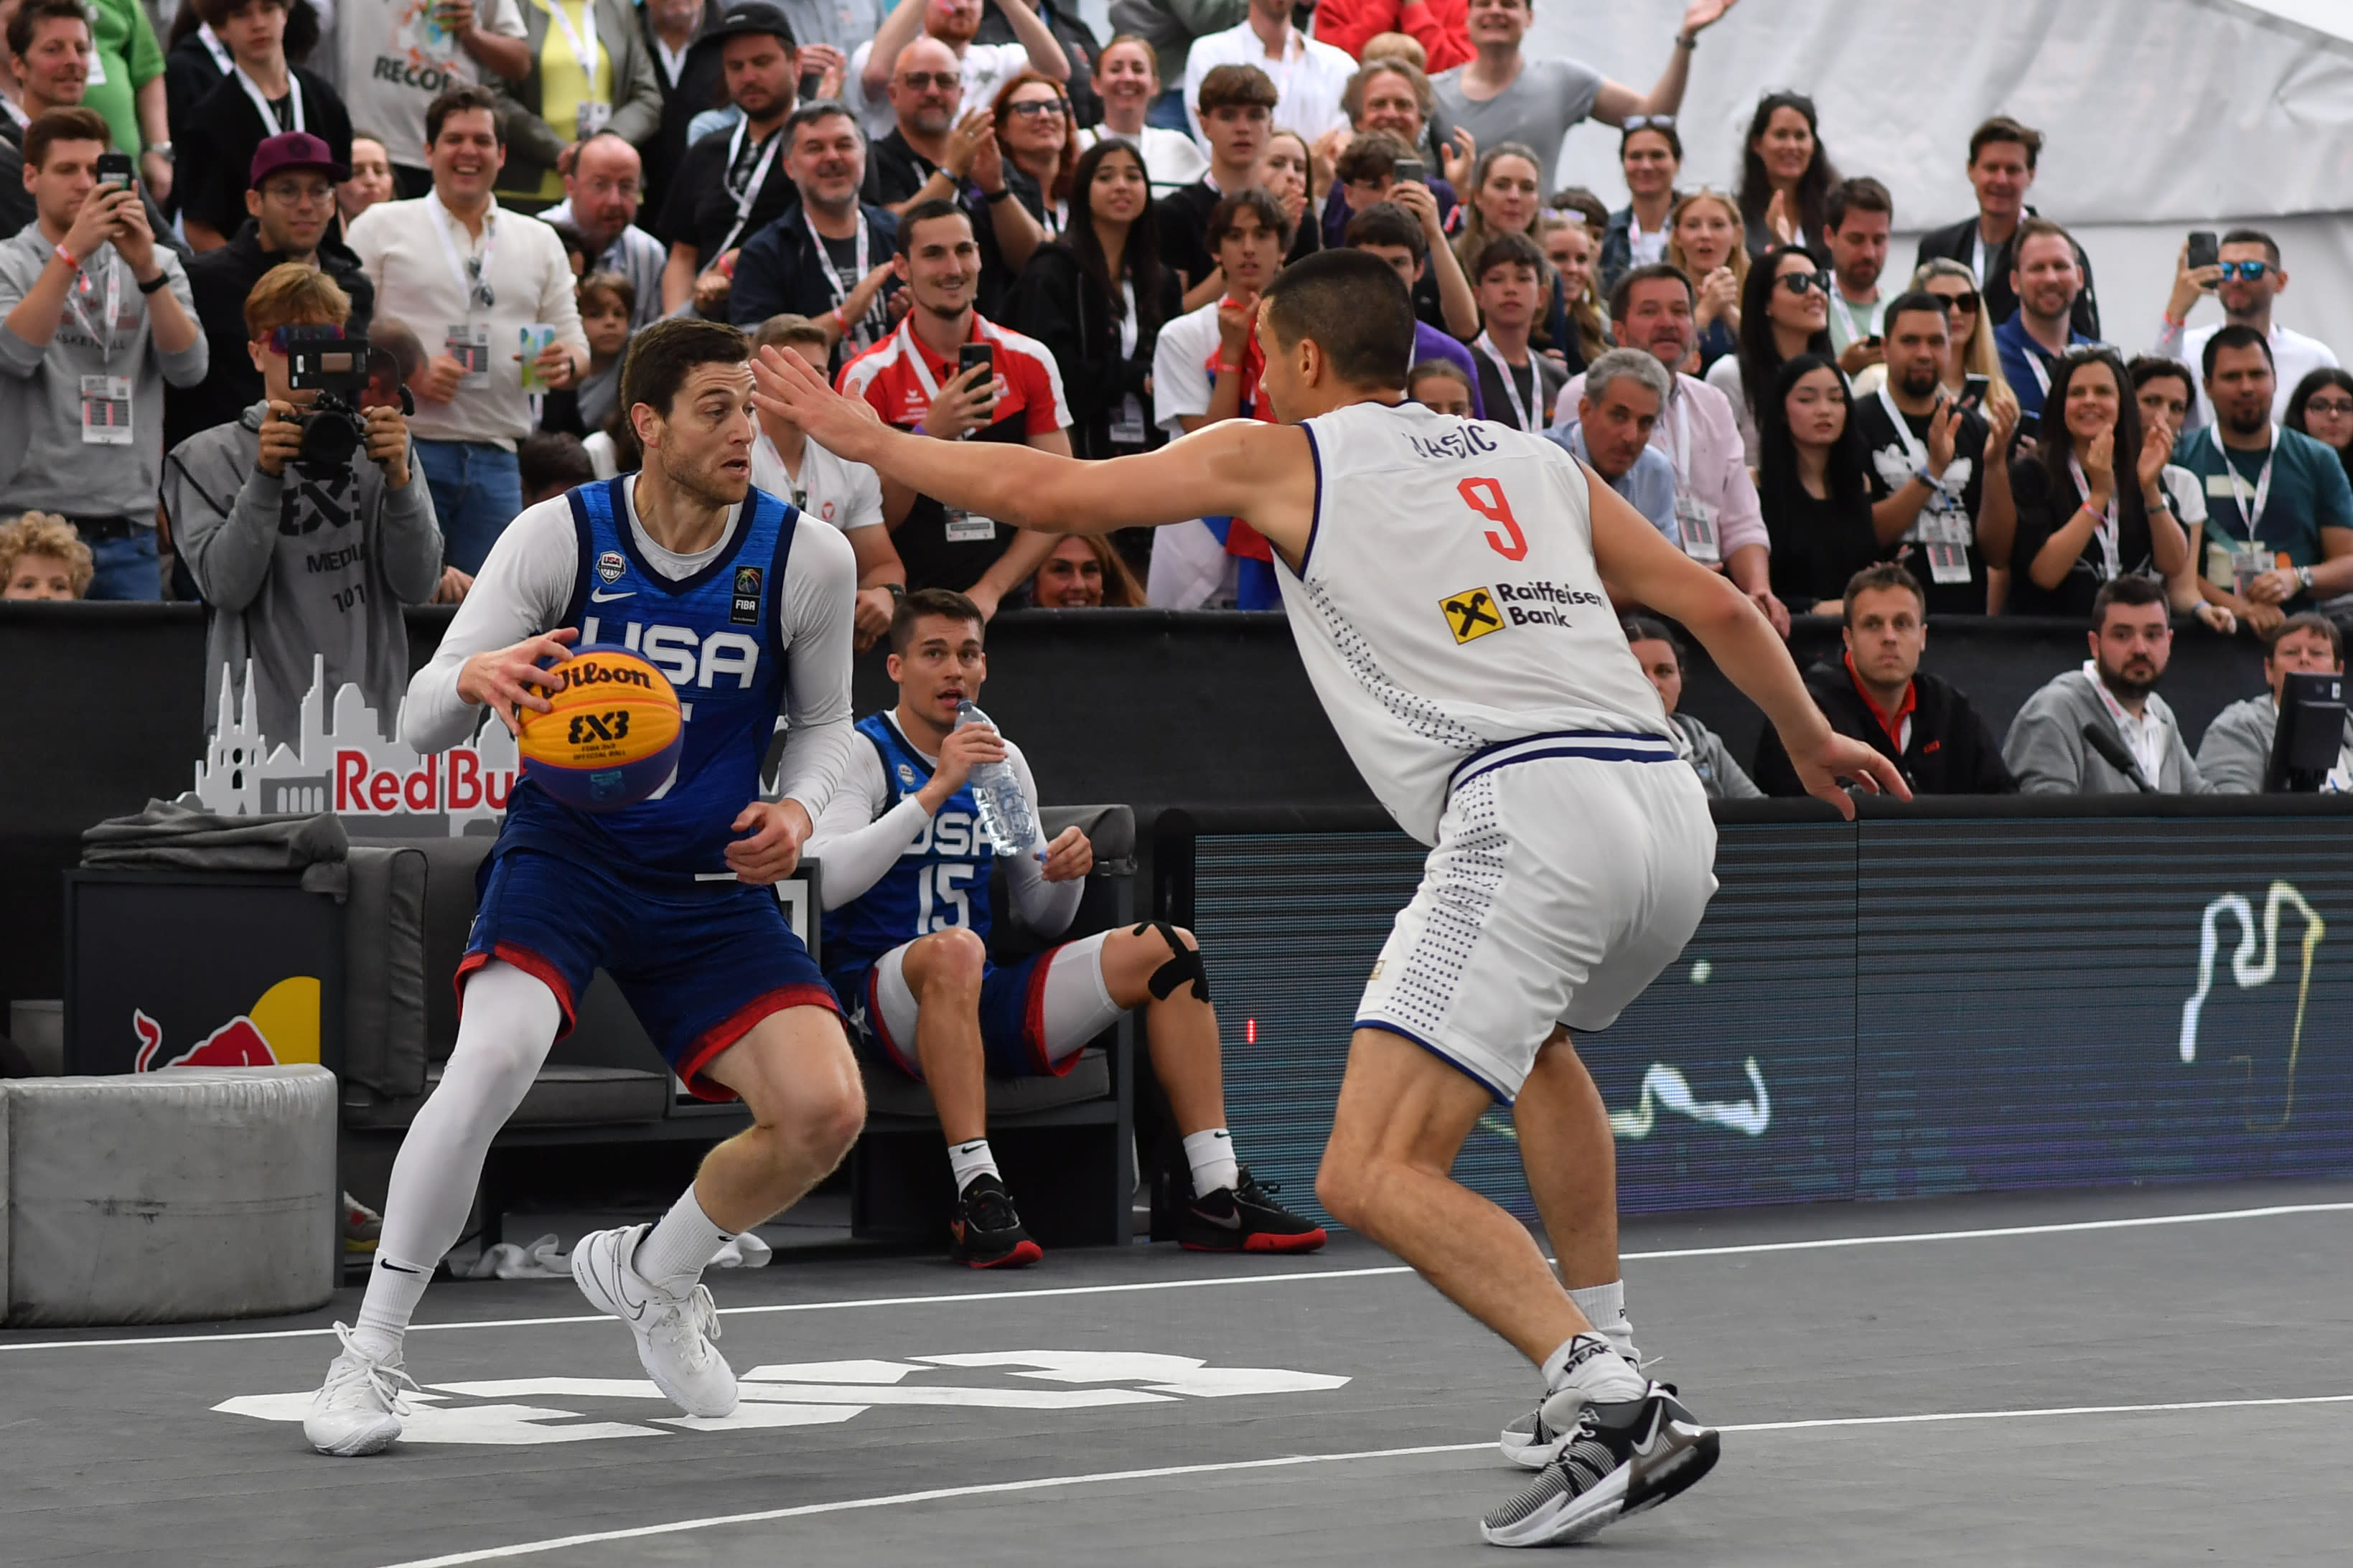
<point>295,150</point>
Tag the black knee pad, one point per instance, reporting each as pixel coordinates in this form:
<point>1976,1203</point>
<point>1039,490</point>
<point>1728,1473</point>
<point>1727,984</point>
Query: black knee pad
<point>1186,965</point>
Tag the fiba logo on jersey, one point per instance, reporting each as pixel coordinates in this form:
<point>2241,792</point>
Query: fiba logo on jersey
<point>609,566</point>
<point>1471,613</point>
<point>744,610</point>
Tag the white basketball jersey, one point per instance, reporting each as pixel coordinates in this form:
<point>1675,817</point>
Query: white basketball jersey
<point>1449,603</point>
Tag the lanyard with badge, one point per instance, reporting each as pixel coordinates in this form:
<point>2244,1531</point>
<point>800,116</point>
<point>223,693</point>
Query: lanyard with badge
<point>593,113</point>
<point>2226,560</point>
<point>2144,735</point>
<point>1694,519</point>
<point>1127,420</point>
<point>1942,530</point>
<point>2112,563</point>
<point>959,525</point>
<point>750,193</point>
<point>469,341</point>
<point>262,106</point>
<point>1486,346</point>
<point>857,331</point>
<point>105,399</point>
<point>222,58</point>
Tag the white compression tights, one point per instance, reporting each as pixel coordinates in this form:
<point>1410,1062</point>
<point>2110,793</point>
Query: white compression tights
<point>510,1021</point>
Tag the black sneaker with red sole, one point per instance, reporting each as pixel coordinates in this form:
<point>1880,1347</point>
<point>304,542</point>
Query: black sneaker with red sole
<point>1245,1218</point>
<point>987,1232</point>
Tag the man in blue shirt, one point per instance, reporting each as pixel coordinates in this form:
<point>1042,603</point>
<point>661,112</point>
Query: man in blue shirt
<point>2279,512</point>
<point>2044,272</point>
<point>1611,433</point>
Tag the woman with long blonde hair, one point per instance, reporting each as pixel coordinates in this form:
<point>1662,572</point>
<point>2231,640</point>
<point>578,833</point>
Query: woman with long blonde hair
<point>1973,351</point>
<point>1706,244</point>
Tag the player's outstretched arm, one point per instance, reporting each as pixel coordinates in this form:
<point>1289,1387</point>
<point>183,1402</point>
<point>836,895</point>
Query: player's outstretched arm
<point>1638,562</point>
<point>1240,467</point>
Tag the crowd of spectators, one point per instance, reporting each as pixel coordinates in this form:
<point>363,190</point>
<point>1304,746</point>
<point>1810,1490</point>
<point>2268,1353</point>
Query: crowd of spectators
<point>994,224</point>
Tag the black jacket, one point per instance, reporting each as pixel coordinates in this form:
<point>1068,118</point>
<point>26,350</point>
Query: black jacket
<point>1958,243</point>
<point>782,270</point>
<point>1952,751</point>
<point>1078,41</point>
<point>701,86</point>
<point>220,279</point>
<point>1055,302</point>
<point>214,148</point>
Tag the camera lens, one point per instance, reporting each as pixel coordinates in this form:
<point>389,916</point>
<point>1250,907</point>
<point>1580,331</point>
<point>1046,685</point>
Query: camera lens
<point>330,437</point>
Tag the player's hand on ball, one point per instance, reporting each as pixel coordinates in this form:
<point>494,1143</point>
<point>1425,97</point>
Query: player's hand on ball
<point>510,679</point>
<point>778,829</point>
<point>962,751</point>
<point>1841,757</point>
<point>1069,857</point>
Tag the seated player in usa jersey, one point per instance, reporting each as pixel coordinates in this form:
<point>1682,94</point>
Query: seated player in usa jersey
<point>745,605</point>
<point>906,888</point>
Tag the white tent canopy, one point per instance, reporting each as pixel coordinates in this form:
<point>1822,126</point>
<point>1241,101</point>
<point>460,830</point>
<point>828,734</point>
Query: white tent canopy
<point>2160,116</point>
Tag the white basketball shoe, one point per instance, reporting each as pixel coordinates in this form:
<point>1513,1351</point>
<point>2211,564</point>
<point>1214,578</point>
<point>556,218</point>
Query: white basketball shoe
<point>674,1333</point>
<point>358,1410</point>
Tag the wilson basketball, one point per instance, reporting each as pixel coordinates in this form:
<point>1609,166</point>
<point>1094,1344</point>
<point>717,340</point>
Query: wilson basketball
<point>612,736</point>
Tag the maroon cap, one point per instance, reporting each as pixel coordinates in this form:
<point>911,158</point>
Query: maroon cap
<point>295,150</point>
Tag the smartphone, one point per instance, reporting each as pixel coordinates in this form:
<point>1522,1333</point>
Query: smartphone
<point>1412,171</point>
<point>115,169</point>
<point>2204,249</point>
<point>1874,341</point>
<point>1973,389</point>
<point>981,355</point>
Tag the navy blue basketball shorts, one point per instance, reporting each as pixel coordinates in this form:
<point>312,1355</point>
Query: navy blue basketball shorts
<point>1035,1015</point>
<point>698,969</point>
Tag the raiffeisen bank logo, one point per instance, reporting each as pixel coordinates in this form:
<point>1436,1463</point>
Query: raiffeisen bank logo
<point>2251,968</point>
<point>338,761</point>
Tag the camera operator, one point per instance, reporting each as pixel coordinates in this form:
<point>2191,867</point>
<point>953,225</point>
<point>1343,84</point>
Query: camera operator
<point>306,526</point>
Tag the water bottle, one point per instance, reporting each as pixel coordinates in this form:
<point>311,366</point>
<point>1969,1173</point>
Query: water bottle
<point>1006,814</point>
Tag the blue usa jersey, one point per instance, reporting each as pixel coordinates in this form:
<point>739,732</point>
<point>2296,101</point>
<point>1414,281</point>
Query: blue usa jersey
<point>940,880</point>
<point>717,636</point>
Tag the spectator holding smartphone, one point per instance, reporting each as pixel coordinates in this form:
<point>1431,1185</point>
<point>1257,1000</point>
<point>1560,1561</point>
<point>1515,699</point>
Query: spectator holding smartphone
<point>2245,277</point>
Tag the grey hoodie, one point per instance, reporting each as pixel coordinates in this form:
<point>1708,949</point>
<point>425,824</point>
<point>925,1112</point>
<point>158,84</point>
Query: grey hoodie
<point>298,566</point>
<point>2045,749</point>
<point>1722,777</point>
<point>2237,748</point>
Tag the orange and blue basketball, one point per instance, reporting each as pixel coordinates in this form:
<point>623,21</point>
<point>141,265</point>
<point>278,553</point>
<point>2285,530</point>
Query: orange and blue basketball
<point>612,735</point>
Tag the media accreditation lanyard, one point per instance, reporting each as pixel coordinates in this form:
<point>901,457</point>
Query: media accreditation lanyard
<point>468,342</point>
<point>750,193</point>
<point>1486,345</point>
<point>1694,517</point>
<point>2145,735</point>
<point>958,526</point>
<point>105,399</point>
<point>2239,565</point>
<point>594,114</point>
<point>840,287</point>
<point>1942,529</point>
<point>262,102</point>
<point>2112,563</point>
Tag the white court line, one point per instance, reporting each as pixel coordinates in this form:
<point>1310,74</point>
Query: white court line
<point>1042,1483</point>
<point>1302,1277</point>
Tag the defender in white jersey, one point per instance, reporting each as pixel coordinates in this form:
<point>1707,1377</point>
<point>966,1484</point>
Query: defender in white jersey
<point>1449,586</point>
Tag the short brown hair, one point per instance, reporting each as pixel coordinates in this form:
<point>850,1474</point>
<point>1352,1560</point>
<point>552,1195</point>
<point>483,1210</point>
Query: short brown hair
<point>2308,621</point>
<point>292,294</point>
<point>777,332</point>
<point>45,533</point>
<point>1352,97</point>
<point>662,356</point>
<point>1374,155</point>
<point>1233,203</point>
<point>33,13</point>
<point>460,99</point>
<point>2038,228</point>
<point>1508,251</point>
<point>1235,87</point>
<point>614,285</point>
<point>51,126</point>
<point>1886,575</point>
<point>943,603</point>
<point>2002,128</point>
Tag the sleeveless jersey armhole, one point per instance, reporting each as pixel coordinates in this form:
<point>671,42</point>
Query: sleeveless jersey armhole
<point>1315,511</point>
<point>585,532</point>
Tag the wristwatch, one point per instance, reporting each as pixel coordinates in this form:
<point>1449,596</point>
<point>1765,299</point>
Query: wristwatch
<point>2304,575</point>
<point>162,149</point>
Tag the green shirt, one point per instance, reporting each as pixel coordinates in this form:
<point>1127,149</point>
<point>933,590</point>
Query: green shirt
<point>2308,493</point>
<point>123,48</point>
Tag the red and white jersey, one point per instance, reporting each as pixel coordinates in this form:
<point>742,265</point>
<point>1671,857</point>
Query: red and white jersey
<point>899,377</point>
<point>1448,604</point>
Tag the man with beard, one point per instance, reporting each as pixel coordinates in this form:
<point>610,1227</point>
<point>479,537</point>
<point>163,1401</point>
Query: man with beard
<point>2279,512</point>
<point>2048,276</point>
<point>916,162</point>
<point>600,201</point>
<point>830,259</point>
<point>2114,696</point>
<point>1931,486</point>
<point>2245,279</point>
<point>732,183</point>
<point>985,67</point>
<point>915,379</point>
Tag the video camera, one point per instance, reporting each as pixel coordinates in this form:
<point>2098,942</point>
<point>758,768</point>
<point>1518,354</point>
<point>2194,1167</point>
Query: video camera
<point>351,376</point>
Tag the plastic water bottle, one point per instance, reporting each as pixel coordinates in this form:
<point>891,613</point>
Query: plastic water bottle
<point>1006,812</point>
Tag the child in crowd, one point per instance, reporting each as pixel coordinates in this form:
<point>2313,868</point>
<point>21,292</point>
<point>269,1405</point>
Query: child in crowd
<point>1439,384</point>
<point>41,557</point>
<point>552,462</point>
<point>607,301</point>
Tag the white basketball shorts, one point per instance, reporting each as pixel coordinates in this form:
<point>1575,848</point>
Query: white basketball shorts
<point>1561,885</point>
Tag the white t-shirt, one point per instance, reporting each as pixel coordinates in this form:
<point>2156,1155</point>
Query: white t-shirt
<point>1308,80</point>
<point>1171,158</point>
<point>987,68</point>
<point>846,494</point>
<point>396,59</point>
<point>1180,368</point>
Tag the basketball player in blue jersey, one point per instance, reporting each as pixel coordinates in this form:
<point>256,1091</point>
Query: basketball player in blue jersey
<point>745,605</point>
<point>1449,584</point>
<point>906,943</point>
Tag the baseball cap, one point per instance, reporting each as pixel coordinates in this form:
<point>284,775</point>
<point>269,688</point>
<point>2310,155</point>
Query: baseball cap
<point>295,150</point>
<point>755,16</point>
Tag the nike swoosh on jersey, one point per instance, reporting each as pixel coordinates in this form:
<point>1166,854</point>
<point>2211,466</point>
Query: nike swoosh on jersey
<point>601,597</point>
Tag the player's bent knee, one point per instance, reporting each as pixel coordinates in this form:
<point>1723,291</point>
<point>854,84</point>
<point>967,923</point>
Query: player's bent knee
<point>951,961</point>
<point>1171,961</point>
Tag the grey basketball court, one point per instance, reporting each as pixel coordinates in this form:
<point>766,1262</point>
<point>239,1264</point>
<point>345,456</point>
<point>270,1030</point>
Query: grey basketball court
<point>2132,1376</point>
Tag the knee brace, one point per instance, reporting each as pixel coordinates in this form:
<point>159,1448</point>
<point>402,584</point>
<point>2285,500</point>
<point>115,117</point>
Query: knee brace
<point>1183,964</point>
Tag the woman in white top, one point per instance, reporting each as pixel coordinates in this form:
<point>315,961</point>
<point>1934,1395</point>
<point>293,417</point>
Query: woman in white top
<point>1127,78</point>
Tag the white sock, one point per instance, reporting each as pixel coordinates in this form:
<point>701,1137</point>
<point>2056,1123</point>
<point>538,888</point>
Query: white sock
<point>1587,1364</point>
<point>393,1289</point>
<point>970,1159</point>
<point>672,1255</point>
<point>1604,1307</point>
<point>1211,1154</point>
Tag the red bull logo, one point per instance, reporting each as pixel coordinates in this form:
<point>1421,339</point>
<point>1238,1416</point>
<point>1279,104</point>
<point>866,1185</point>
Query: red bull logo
<point>280,1029</point>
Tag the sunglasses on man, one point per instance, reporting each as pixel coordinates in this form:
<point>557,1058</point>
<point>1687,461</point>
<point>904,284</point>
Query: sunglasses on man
<point>2252,271</point>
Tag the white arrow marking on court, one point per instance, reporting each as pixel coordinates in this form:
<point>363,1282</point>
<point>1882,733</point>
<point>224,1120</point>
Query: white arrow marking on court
<point>1162,1373</point>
